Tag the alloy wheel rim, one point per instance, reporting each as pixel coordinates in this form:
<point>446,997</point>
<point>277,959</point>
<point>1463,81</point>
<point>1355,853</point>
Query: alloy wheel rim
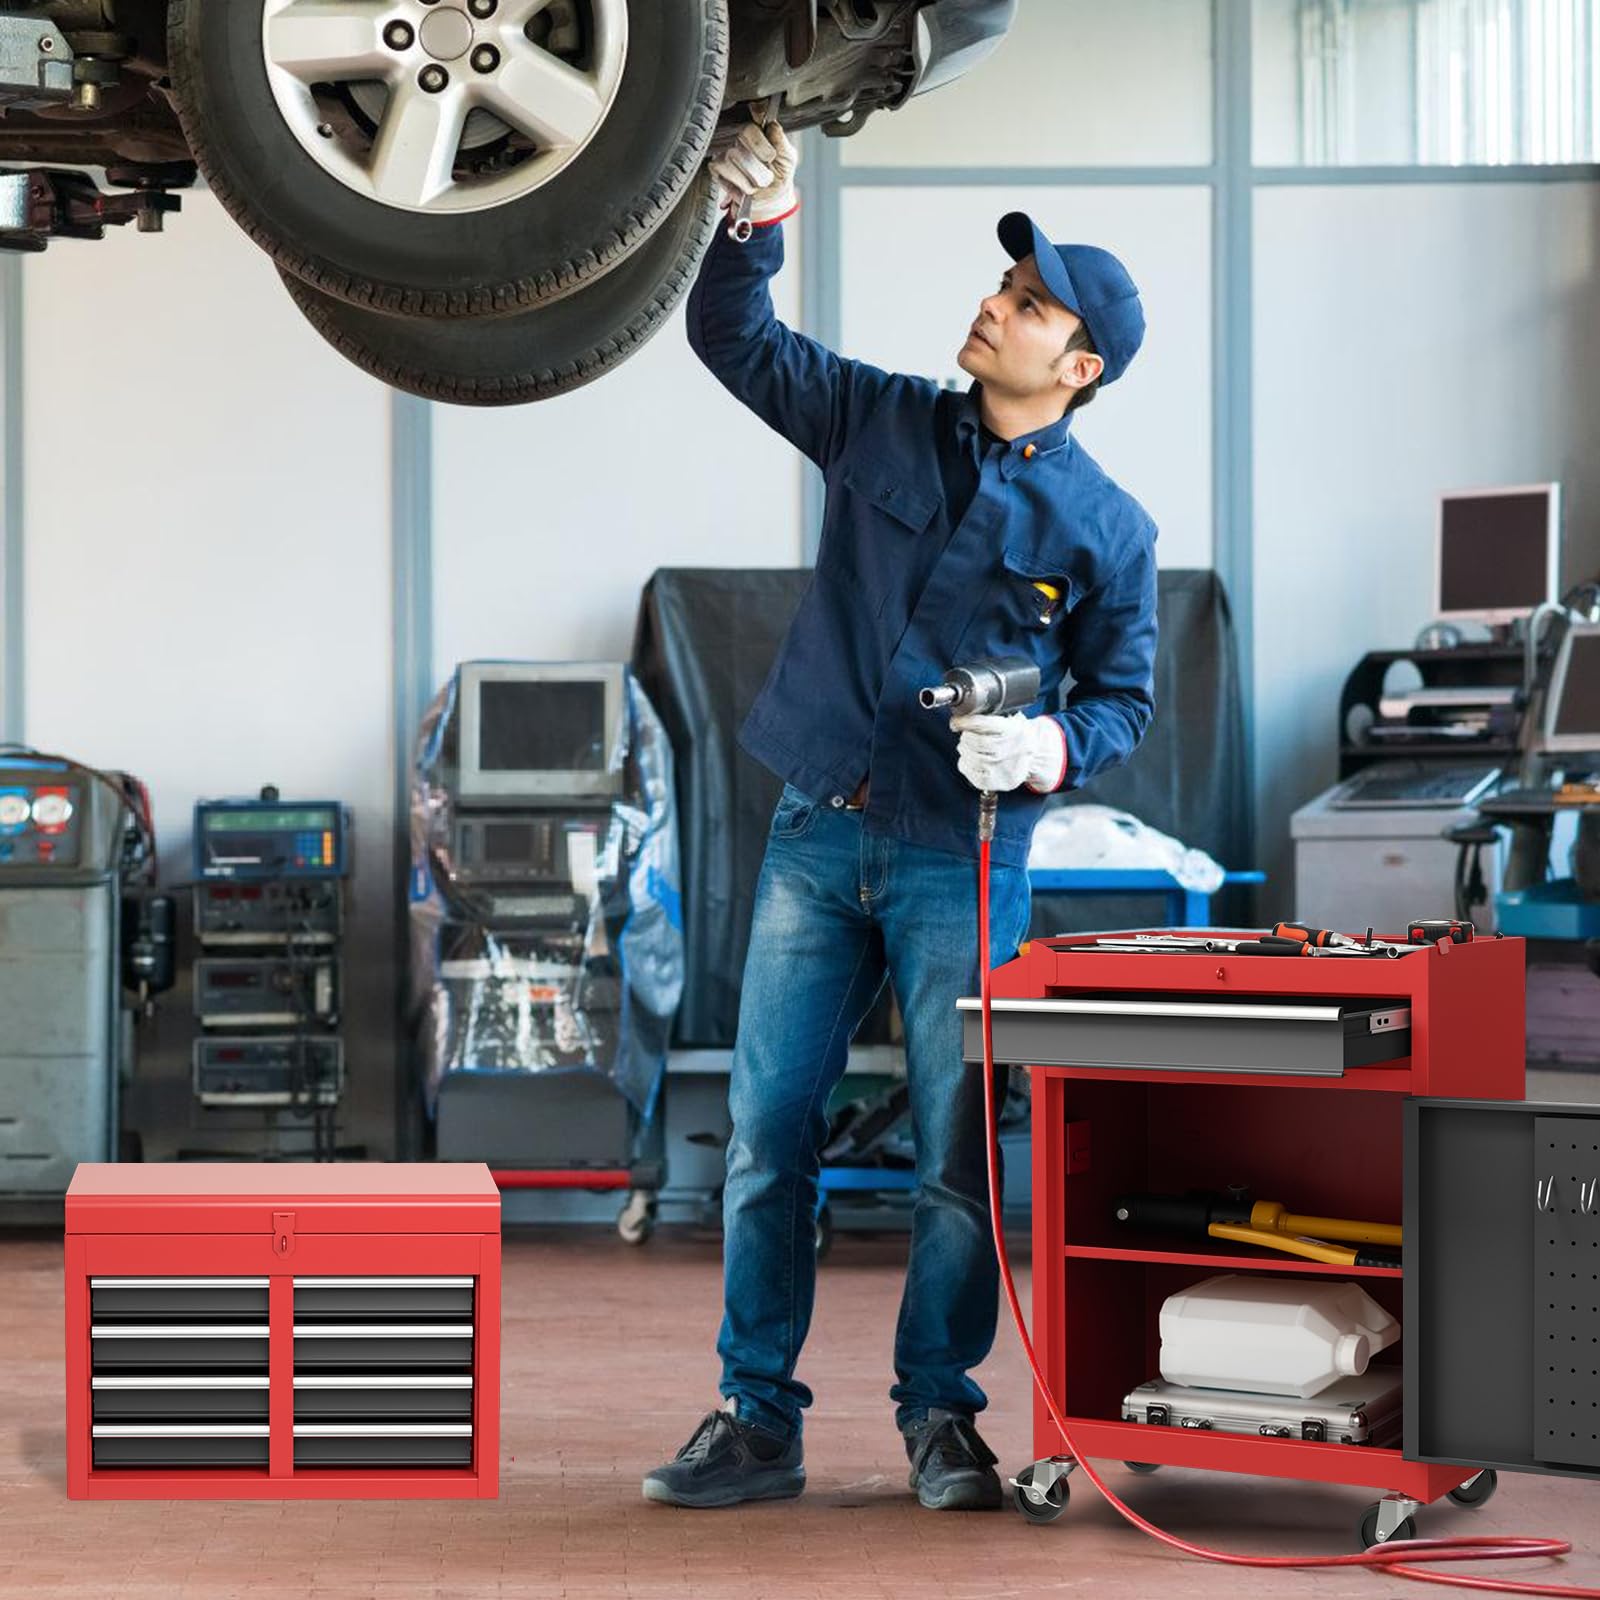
<point>441,106</point>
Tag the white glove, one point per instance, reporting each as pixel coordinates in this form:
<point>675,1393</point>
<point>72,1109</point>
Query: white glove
<point>996,754</point>
<point>760,163</point>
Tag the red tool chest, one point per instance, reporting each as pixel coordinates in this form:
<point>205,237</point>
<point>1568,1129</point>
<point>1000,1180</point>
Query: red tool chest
<point>1323,1135</point>
<point>312,1331</point>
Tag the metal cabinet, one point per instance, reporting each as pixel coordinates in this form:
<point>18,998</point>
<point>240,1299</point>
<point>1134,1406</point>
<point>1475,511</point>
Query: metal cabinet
<point>1502,1285</point>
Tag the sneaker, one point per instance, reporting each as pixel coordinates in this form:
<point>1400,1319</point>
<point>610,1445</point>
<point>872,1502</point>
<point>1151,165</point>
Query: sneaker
<point>727,1461</point>
<point>952,1469</point>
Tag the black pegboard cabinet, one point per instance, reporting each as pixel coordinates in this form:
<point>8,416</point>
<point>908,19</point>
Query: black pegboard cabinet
<point>1502,1285</point>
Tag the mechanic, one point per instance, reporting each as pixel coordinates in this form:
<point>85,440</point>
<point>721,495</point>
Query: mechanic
<point>957,526</point>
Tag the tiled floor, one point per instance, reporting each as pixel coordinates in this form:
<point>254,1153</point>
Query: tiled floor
<point>608,1363</point>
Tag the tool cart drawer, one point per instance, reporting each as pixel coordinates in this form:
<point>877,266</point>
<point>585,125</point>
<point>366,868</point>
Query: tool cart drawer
<point>1320,1038</point>
<point>141,1444</point>
<point>178,1299</point>
<point>377,1444</point>
<point>365,1397</point>
<point>380,1299</point>
<point>187,1347</point>
<point>182,1398</point>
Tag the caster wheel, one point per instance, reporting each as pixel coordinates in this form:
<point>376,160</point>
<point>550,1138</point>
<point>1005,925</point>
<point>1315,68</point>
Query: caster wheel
<point>1368,1532</point>
<point>637,1219</point>
<point>1476,1491</point>
<point>824,1231</point>
<point>1142,1466</point>
<point>1055,1501</point>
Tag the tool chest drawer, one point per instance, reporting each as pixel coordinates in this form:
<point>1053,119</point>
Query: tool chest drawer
<point>1188,1033</point>
<point>283,1331</point>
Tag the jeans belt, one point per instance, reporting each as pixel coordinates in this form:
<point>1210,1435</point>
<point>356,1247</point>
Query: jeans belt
<point>858,801</point>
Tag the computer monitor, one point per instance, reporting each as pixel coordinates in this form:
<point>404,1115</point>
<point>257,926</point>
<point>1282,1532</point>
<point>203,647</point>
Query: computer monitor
<point>1572,707</point>
<point>1499,552</point>
<point>538,731</point>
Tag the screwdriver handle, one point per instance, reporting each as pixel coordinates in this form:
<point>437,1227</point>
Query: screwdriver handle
<point>1314,936</point>
<point>1273,945</point>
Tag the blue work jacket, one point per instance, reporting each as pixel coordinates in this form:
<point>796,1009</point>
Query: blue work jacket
<point>903,590</point>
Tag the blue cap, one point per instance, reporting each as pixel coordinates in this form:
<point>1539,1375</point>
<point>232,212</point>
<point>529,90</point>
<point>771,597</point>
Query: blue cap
<point>1088,281</point>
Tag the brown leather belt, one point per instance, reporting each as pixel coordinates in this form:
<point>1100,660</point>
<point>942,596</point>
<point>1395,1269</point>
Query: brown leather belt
<point>858,801</point>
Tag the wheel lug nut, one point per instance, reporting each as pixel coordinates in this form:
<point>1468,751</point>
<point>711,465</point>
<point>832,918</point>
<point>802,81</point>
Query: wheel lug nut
<point>433,78</point>
<point>398,36</point>
<point>481,8</point>
<point>485,58</point>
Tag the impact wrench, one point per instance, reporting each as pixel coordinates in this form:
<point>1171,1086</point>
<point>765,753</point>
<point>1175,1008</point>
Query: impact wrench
<point>994,686</point>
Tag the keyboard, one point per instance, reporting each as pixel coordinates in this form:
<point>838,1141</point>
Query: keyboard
<point>1414,783</point>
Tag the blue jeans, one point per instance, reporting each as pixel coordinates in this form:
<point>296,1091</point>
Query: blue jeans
<point>838,910</point>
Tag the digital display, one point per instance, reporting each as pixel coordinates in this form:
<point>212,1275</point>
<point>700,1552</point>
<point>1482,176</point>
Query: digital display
<point>1494,552</point>
<point>545,726</point>
<point>305,819</point>
<point>505,843</point>
<point>1579,710</point>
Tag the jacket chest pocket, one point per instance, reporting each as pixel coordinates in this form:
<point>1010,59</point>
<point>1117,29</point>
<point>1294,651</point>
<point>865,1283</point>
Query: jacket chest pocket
<point>891,492</point>
<point>1029,597</point>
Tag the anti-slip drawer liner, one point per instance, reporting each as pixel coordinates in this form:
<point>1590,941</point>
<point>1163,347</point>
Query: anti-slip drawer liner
<point>1320,1038</point>
<point>373,1299</point>
<point>179,1398</point>
<point>187,1347</point>
<point>178,1299</point>
<point>398,1397</point>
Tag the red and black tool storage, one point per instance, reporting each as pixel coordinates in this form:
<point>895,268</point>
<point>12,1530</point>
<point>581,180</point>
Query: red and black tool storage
<point>1121,1106</point>
<point>283,1331</point>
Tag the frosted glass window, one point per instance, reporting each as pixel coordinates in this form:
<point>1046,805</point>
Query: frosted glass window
<point>1426,82</point>
<point>1076,83</point>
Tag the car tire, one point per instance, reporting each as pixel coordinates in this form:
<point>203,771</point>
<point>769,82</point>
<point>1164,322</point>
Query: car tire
<point>367,247</point>
<point>528,355</point>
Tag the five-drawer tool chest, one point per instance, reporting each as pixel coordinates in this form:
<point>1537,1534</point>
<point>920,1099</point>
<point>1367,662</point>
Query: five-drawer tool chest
<point>283,1331</point>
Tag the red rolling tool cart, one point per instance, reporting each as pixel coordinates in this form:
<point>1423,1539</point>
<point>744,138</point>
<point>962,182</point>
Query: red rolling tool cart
<point>282,1331</point>
<point>1182,1071</point>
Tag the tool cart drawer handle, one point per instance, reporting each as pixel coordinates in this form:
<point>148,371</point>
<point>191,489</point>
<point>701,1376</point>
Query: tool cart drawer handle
<point>191,1331</point>
<point>1387,1021</point>
<point>383,1430</point>
<point>188,1430</point>
<point>415,1330</point>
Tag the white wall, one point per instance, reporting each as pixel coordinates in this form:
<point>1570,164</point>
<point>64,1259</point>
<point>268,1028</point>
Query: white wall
<point>1408,339</point>
<point>1152,428</point>
<point>1075,82</point>
<point>207,582</point>
<point>549,519</point>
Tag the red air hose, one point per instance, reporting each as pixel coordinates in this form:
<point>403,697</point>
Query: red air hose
<point>1398,1555</point>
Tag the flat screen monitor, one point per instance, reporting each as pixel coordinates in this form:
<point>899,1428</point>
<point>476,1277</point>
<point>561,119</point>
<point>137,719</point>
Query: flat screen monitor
<point>538,731</point>
<point>1499,552</point>
<point>1572,708</point>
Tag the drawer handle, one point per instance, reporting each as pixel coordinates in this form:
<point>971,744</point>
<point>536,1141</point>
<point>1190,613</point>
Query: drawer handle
<point>383,1430</point>
<point>335,1330</point>
<point>152,1430</point>
<point>196,1331</point>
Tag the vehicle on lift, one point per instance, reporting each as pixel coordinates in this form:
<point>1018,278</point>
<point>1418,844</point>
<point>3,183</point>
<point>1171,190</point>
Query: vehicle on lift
<point>487,201</point>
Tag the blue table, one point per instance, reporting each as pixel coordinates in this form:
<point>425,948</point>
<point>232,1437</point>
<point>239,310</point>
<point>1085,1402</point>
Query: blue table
<point>1186,908</point>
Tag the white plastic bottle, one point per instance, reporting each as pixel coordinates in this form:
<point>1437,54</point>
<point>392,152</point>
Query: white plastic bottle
<point>1271,1334</point>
